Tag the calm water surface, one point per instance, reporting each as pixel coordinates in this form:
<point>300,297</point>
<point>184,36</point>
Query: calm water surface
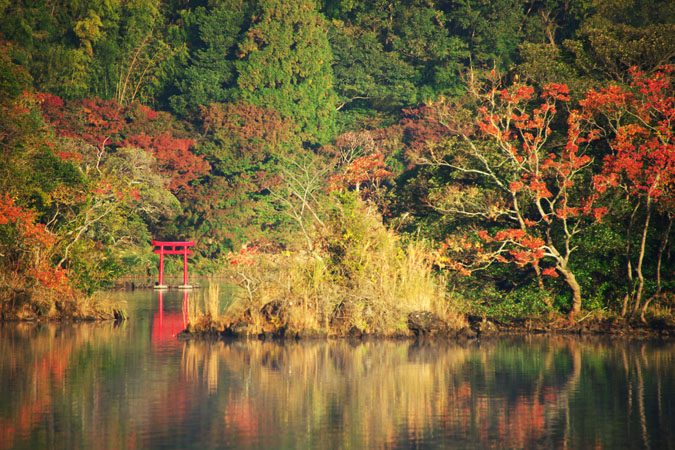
<point>136,386</point>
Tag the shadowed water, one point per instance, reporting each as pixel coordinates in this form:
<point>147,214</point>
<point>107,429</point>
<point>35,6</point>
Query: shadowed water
<point>136,386</point>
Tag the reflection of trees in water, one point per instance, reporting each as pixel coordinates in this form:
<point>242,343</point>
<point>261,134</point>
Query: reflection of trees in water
<point>82,383</point>
<point>34,363</point>
<point>398,393</point>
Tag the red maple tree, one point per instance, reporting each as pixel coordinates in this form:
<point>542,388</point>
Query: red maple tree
<point>638,123</point>
<point>516,175</point>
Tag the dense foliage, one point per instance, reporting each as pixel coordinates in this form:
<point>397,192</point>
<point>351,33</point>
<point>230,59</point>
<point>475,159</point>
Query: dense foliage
<point>529,142</point>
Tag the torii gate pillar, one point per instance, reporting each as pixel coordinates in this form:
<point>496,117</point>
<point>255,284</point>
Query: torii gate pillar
<point>172,248</point>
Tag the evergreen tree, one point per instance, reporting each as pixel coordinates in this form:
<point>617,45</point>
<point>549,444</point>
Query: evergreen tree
<point>208,73</point>
<point>286,66</point>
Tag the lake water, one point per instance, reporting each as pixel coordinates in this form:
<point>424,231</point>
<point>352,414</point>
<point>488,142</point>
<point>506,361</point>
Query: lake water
<point>134,385</point>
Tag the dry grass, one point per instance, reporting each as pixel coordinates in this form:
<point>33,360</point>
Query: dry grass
<point>21,298</point>
<point>203,308</point>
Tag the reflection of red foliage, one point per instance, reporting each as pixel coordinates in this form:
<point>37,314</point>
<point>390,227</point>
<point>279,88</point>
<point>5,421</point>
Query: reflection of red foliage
<point>48,369</point>
<point>242,415</point>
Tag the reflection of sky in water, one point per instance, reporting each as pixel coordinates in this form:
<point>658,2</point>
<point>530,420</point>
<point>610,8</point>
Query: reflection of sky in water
<point>136,386</point>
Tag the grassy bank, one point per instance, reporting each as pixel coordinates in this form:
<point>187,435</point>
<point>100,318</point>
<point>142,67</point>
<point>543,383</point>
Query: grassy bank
<point>24,298</point>
<point>357,277</point>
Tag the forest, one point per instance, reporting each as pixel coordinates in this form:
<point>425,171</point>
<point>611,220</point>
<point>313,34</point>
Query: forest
<point>341,160</point>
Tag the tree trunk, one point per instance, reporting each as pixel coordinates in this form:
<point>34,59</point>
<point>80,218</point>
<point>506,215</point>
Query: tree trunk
<point>641,278</point>
<point>576,291</point>
<point>662,247</point>
<point>626,299</point>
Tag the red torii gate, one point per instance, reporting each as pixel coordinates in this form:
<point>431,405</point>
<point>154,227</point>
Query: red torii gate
<point>172,248</point>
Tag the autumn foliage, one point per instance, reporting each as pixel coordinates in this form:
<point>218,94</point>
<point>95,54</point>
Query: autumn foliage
<point>535,182</point>
<point>638,124</point>
<point>106,126</point>
<point>365,173</point>
<point>26,247</point>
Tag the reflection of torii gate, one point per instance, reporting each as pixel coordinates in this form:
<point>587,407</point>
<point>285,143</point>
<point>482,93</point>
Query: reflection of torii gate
<point>172,248</point>
<point>160,322</point>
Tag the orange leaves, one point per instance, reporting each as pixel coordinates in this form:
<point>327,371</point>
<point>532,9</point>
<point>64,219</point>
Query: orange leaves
<point>29,241</point>
<point>516,186</point>
<point>608,101</point>
<point>489,129</point>
<point>483,234</point>
<point>565,212</point>
<point>516,247</point>
<point>510,235</point>
<point>246,257</point>
<point>24,222</point>
<point>539,189</point>
<point>644,148</point>
<point>550,271</point>
<point>533,243</point>
<point>51,278</point>
<point>524,93</point>
<point>599,213</point>
<point>521,93</point>
<point>10,213</point>
<point>556,91</point>
<point>107,125</point>
<point>367,171</point>
<point>174,156</point>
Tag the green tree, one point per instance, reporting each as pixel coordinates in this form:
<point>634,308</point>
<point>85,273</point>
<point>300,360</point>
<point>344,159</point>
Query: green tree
<point>491,29</point>
<point>285,65</point>
<point>207,74</point>
<point>616,35</point>
<point>393,54</point>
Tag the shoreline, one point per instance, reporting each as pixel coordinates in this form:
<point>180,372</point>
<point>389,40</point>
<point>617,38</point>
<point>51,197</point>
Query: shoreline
<point>479,328</point>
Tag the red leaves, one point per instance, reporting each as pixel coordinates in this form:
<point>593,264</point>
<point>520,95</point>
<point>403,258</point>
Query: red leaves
<point>524,93</point>
<point>510,235</point>
<point>369,171</point>
<point>174,157</point>
<point>520,93</point>
<point>644,152</point>
<point>516,186</point>
<point>539,189</point>
<point>30,241</point>
<point>599,213</point>
<point>516,246</point>
<point>104,123</point>
<point>556,91</point>
<point>246,257</point>
<point>533,243</point>
<point>24,221</point>
<point>50,277</point>
<point>69,156</point>
<point>550,271</point>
